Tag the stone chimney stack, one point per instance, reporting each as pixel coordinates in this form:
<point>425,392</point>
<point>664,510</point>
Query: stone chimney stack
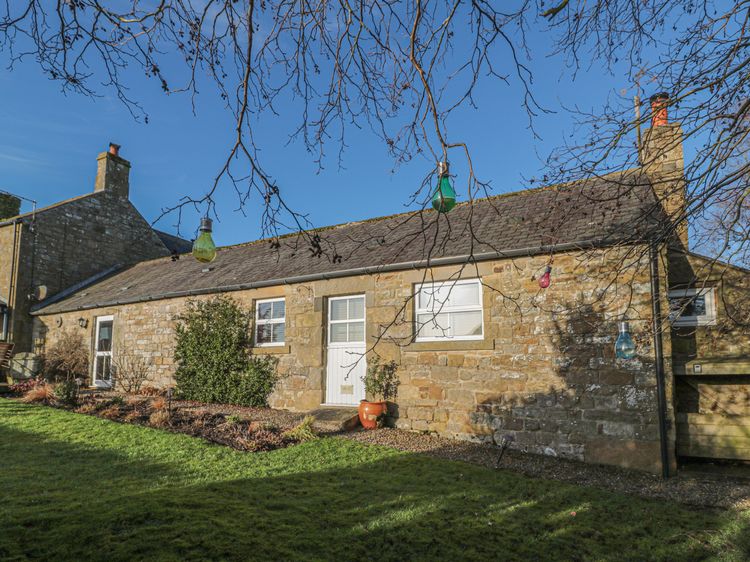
<point>112,172</point>
<point>662,159</point>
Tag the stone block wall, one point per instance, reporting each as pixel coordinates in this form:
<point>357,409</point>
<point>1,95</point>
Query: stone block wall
<point>544,373</point>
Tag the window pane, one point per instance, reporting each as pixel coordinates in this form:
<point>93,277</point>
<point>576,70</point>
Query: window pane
<point>697,306</point>
<point>433,325</point>
<point>264,310</point>
<point>104,341</point>
<point>263,333</point>
<point>466,323</point>
<point>338,333</point>
<point>466,294</point>
<point>356,308</point>
<point>103,363</point>
<point>279,309</point>
<point>278,333</point>
<point>338,309</point>
<point>356,331</point>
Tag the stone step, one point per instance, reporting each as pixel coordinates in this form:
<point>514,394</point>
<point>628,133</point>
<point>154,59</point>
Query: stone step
<point>333,419</point>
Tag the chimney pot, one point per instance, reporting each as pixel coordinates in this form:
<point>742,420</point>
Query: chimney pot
<point>114,149</point>
<point>659,116</point>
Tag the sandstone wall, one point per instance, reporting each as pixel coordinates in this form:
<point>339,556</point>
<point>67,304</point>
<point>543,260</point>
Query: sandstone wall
<point>544,374</point>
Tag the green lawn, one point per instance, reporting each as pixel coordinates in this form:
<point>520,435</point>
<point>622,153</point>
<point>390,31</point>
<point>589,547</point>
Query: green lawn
<point>78,487</point>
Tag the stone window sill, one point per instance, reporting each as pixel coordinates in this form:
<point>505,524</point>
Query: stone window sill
<point>272,350</point>
<point>459,345</point>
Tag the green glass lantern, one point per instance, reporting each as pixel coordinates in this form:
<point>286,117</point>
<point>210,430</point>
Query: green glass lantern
<point>444,198</point>
<point>204,249</point>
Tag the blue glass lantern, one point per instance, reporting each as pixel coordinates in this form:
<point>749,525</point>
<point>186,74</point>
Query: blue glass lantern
<point>624,346</point>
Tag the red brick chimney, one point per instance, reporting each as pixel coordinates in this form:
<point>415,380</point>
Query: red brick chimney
<point>112,172</point>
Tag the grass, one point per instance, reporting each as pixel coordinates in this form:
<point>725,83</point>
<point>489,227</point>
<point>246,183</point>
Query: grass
<point>76,487</point>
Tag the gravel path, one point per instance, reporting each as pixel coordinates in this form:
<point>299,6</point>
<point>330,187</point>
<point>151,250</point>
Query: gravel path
<point>701,490</point>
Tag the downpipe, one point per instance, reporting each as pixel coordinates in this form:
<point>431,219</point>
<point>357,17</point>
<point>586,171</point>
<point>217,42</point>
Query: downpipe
<point>661,392</point>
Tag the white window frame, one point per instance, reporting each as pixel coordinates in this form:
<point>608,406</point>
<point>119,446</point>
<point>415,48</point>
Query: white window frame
<point>708,319</point>
<point>347,320</point>
<point>95,381</point>
<point>268,321</point>
<point>446,308</point>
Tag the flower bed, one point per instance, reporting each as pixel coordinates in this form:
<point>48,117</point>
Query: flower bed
<point>244,429</point>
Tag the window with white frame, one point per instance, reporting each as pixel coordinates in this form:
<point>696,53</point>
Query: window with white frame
<point>270,322</point>
<point>692,307</point>
<point>449,310</point>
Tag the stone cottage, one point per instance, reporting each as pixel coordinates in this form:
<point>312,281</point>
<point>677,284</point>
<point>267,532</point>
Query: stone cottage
<point>484,352</point>
<point>51,249</point>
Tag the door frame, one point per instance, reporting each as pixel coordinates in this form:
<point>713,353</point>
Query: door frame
<point>334,345</point>
<point>97,353</point>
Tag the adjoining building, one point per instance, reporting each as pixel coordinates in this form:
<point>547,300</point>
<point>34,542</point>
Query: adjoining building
<point>51,249</point>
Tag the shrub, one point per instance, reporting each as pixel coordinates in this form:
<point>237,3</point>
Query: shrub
<point>159,403</point>
<point>213,356</point>
<point>381,379</point>
<point>130,371</point>
<point>117,400</point>
<point>67,359</point>
<point>150,391</point>
<point>233,419</point>
<point>304,431</point>
<point>24,386</point>
<point>159,418</point>
<point>43,393</point>
<point>66,393</point>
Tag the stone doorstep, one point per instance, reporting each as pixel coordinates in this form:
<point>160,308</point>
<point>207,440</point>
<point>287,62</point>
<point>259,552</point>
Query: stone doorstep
<point>335,418</point>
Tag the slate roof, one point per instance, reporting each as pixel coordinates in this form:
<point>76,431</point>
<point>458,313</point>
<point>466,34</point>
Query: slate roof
<point>615,209</point>
<point>174,244</point>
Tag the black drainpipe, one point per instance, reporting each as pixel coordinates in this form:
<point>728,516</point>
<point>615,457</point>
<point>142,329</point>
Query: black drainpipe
<point>661,393</point>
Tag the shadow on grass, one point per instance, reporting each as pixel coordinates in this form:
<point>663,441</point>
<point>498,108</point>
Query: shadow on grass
<point>331,499</point>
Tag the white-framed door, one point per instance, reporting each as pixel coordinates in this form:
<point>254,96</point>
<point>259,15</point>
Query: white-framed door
<point>102,375</point>
<point>346,363</point>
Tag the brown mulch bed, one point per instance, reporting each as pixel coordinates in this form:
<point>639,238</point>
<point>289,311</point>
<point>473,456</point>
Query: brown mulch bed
<point>244,429</point>
<point>713,490</point>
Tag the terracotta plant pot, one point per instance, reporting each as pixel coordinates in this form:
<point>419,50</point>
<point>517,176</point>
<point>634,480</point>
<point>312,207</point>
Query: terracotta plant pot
<point>369,412</point>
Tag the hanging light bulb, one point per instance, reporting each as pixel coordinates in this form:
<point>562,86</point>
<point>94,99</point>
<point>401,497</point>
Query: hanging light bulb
<point>204,249</point>
<point>624,346</point>
<point>546,279</point>
<point>444,198</point>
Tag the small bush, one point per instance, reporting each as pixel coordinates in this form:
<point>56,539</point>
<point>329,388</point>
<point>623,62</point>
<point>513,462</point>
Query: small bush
<point>87,408</point>
<point>130,371</point>
<point>43,394</point>
<point>381,379</point>
<point>66,393</point>
<point>150,391</point>
<point>213,356</point>
<point>233,419</point>
<point>117,400</point>
<point>303,432</point>
<point>67,359</point>
<point>159,418</point>
<point>24,386</point>
<point>112,411</point>
<point>159,403</point>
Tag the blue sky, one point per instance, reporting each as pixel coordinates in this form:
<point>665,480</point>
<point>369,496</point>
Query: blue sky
<point>49,142</point>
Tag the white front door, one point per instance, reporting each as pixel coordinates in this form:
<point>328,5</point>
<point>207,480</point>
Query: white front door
<point>103,352</point>
<point>346,351</point>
